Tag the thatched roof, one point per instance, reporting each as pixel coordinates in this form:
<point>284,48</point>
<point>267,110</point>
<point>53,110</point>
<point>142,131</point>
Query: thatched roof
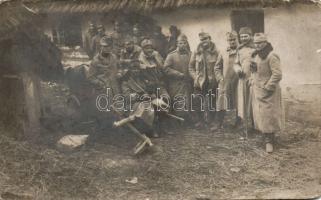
<point>14,16</point>
<point>23,47</point>
<point>82,6</point>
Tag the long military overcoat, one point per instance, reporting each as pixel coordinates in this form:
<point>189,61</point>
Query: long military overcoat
<point>227,77</point>
<point>267,106</point>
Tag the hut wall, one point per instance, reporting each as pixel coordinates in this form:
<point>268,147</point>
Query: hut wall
<point>294,32</point>
<point>294,29</point>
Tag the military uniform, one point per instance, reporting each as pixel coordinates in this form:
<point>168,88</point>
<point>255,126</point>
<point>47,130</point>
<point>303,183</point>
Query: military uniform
<point>244,96</point>
<point>96,43</point>
<point>88,45</point>
<point>178,78</point>
<point>201,69</point>
<point>118,42</point>
<point>224,72</point>
<point>228,80</point>
<point>103,72</point>
<point>136,84</point>
<point>127,58</point>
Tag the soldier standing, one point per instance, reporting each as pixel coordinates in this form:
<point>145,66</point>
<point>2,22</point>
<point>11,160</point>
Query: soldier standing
<point>267,107</point>
<point>118,38</point>
<point>137,36</point>
<point>201,69</point>
<point>88,46</point>
<point>97,38</point>
<point>227,78</point>
<point>242,69</point>
<point>159,41</point>
<point>178,78</point>
<point>172,40</point>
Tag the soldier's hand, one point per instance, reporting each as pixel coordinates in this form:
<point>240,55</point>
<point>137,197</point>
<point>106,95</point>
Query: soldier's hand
<point>253,67</point>
<point>196,84</point>
<point>221,84</point>
<point>241,74</point>
<point>181,76</point>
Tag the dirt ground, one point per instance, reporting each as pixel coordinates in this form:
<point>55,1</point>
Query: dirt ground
<point>186,164</point>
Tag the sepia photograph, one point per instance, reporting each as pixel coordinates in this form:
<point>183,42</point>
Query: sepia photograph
<point>160,99</point>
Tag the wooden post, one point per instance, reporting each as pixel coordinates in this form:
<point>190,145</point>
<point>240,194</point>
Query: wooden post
<point>31,84</point>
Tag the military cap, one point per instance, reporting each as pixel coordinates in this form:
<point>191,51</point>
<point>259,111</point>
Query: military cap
<point>231,35</point>
<point>128,39</point>
<point>100,26</point>
<point>182,37</point>
<point>203,35</point>
<point>173,28</point>
<point>246,30</point>
<point>146,42</point>
<point>260,37</point>
<point>106,41</point>
<point>135,26</point>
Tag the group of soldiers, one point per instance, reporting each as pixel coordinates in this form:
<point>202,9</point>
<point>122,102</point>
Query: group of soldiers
<point>246,74</point>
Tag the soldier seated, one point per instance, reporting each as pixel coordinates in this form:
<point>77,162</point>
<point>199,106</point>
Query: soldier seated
<point>129,56</point>
<point>145,104</point>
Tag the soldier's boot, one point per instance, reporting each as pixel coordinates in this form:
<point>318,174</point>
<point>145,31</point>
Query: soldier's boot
<point>238,122</point>
<point>155,134</point>
<point>156,127</point>
<point>269,142</point>
<point>219,121</point>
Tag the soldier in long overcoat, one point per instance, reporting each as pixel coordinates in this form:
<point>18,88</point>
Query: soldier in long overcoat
<point>88,45</point>
<point>201,69</point>
<point>178,78</point>
<point>267,106</point>
<point>118,37</point>
<point>227,78</point>
<point>96,39</point>
<point>242,69</point>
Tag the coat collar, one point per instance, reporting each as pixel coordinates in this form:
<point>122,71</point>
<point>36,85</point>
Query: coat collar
<point>249,44</point>
<point>212,49</point>
<point>231,51</point>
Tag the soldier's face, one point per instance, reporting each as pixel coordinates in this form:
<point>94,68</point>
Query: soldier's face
<point>105,49</point>
<point>244,38</point>
<point>260,45</point>
<point>129,46</point>
<point>135,31</point>
<point>116,26</point>
<point>148,50</point>
<point>101,31</point>
<point>232,43</point>
<point>206,42</point>
<point>182,45</point>
<point>92,29</point>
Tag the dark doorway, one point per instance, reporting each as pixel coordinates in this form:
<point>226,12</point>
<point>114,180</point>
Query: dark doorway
<point>250,18</point>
